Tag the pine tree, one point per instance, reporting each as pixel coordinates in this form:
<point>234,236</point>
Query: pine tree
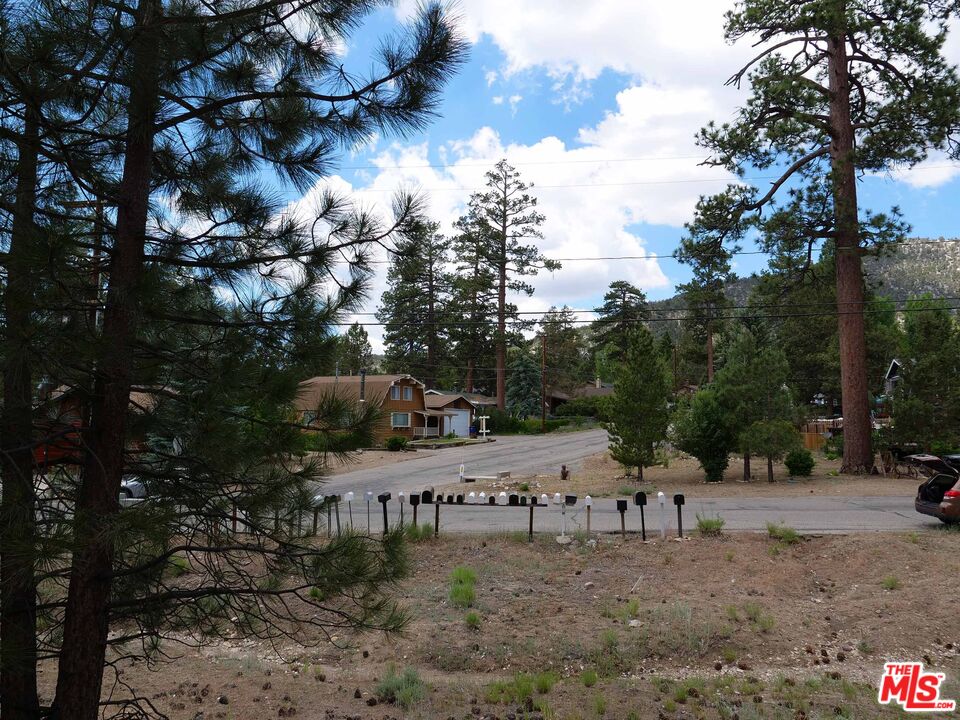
<point>524,396</point>
<point>624,307</point>
<point>840,89</point>
<point>353,350</point>
<point>415,310</point>
<point>565,353</point>
<point>701,428</point>
<point>638,412</point>
<point>211,311</point>
<point>472,302</point>
<point>502,217</point>
<point>926,402</point>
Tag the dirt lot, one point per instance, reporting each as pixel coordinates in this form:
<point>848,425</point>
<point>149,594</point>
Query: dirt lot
<point>600,476</point>
<point>737,626</point>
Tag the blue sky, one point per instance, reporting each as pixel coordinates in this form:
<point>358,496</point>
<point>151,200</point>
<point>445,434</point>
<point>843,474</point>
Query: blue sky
<point>596,104</point>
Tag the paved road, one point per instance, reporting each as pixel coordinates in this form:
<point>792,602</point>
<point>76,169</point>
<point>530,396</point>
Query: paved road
<point>545,454</point>
<point>519,454</point>
<point>807,515</point>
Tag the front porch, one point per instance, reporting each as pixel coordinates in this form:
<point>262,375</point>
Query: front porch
<point>436,424</point>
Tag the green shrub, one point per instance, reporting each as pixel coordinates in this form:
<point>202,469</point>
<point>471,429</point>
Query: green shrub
<point>580,407</point>
<point>890,582</point>
<point>543,682</point>
<point>799,462</point>
<point>462,596</point>
<point>472,620</point>
<point>710,526</point>
<point>784,533</point>
<point>511,691</point>
<point>463,575</point>
<point>501,422</point>
<point>404,689</point>
<point>589,678</point>
<point>396,443</point>
<point>178,565</point>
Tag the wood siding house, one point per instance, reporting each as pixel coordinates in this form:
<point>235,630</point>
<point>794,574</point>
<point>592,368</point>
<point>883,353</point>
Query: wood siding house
<point>400,398</point>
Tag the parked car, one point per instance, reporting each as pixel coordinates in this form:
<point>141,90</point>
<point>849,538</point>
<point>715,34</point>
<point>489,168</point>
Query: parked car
<point>132,488</point>
<point>939,495</point>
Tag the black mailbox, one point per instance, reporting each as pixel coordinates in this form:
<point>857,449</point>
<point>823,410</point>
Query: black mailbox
<point>523,499</point>
<point>570,499</point>
<point>514,499</point>
<point>460,499</point>
<point>621,505</point>
<point>383,497</point>
<point>678,499</point>
<point>640,499</point>
<point>414,499</point>
<point>534,500</point>
<point>492,500</point>
<point>449,499</point>
<point>427,497</point>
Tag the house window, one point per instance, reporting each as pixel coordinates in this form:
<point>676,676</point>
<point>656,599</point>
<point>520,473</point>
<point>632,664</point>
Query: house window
<point>408,393</point>
<point>395,392</point>
<point>400,420</point>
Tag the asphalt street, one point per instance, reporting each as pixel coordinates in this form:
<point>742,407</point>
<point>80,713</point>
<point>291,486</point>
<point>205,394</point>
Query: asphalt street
<point>518,454</point>
<point>525,455</point>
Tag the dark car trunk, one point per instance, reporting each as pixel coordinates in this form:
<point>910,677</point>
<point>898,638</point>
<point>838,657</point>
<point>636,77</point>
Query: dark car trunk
<point>932,490</point>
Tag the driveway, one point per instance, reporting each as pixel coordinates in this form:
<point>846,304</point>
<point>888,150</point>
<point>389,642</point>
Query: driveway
<point>518,454</point>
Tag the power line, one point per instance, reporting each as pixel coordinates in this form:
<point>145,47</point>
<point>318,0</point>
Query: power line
<point>689,315</point>
<point>830,303</point>
<point>657,256</point>
<point>528,163</point>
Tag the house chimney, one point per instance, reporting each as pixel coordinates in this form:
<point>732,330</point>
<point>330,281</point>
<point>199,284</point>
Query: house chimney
<point>363,383</point>
<point>598,382</point>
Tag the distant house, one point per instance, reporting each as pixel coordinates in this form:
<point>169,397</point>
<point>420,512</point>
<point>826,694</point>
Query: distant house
<point>400,398</point>
<point>892,377</point>
<point>556,398</point>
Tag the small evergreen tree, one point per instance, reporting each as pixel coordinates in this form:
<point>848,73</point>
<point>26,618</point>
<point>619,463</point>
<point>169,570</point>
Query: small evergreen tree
<point>638,413</point>
<point>701,429</point>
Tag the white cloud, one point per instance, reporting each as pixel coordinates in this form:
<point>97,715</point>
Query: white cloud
<point>638,165</point>
<point>933,172</point>
<point>498,99</point>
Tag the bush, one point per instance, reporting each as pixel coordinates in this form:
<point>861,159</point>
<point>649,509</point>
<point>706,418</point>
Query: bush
<point>404,689</point>
<point>396,443</point>
<point>799,462</point>
<point>583,407</point>
<point>701,429</point>
<point>462,592</point>
<point>340,442</point>
<point>418,534</point>
<point>501,422</point>
<point>784,533</point>
<point>710,525</point>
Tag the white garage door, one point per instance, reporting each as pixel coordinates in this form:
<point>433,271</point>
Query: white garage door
<point>459,423</point>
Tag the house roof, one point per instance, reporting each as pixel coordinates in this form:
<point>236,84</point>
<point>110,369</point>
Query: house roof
<point>475,398</point>
<point>434,400</point>
<point>347,387</point>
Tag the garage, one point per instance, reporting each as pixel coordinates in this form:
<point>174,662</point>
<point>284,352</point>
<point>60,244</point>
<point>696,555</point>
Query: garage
<point>458,422</point>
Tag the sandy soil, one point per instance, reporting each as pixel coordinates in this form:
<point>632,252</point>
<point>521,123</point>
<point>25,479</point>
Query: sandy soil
<point>731,627</point>
<point>599,476</point>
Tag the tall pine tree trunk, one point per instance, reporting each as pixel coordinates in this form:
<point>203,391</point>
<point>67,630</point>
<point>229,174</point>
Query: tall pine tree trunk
<point>430,381</point>
<point>769,469</point>
<point>86,621</point>
<point>746,467</point>
<point>857,451</point>
<point>18,604</point>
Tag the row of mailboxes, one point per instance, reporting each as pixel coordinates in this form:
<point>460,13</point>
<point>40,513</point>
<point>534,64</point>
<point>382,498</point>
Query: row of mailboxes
<point>513,499</point>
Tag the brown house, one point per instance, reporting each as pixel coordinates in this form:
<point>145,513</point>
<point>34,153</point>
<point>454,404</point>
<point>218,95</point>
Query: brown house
<point>400,398</point>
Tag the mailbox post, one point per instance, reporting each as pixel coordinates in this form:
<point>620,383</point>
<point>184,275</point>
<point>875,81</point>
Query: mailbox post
<point>640,499</point>
<point>436,518</point>
<point>369,496</point>
<point>588,501</point>
<point>350,508</point>
<point>622,509</point>
<point>679,500</point>
<point>662,499</point>
<point>336,509</point>
<point>414,503</point>
<point>383,498</point>
<point>400,496</point>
